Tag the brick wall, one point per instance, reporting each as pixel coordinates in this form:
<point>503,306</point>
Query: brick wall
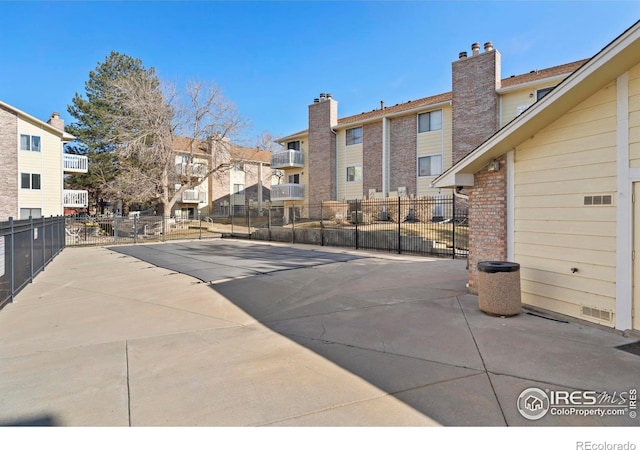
<point>403,149</point>
<point>9,166</point>
<point>487,220</point>
<point>372,157</point>
<point>322,151</point>
<point>475,101</point>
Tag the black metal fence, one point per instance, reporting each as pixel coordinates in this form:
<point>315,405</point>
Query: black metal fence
<point>419,225</point>
<point>26,247</point>
<point>114,230</point>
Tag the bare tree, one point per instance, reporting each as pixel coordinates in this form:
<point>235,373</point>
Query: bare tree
<point>267,142</point>
<point>150,121</point>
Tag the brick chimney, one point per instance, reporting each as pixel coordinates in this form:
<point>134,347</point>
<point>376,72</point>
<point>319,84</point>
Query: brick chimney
<point>476,104</point>
<point>323,116</point>
<point>56,121</point>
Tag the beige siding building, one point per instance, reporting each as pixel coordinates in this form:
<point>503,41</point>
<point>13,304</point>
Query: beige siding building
<point>399,150</point>
<point>244,178</point>
<point>568,170</point>
<point>32,175</point>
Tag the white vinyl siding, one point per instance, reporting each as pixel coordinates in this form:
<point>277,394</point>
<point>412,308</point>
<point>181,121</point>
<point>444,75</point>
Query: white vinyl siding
<point>514,103</point>
<point>347,155</point>
<point>554,230</point>
<point>634,117</point>
<point>48,163</point>
<point>435,143</point>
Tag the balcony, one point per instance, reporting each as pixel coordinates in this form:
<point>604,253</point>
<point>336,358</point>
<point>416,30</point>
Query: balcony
<point>198,170</point>
<point>287,192</point>
<point>75,199</point>
<point>75,163</point>
<point>193,196</point>
<point>287,158</point>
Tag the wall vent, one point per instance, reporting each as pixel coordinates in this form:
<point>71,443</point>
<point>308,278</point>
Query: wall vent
<point>598,314</point>
<point>598,200</point>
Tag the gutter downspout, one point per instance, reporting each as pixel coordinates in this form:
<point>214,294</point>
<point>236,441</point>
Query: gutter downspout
<point>335,162</point>
<point>384,157</point>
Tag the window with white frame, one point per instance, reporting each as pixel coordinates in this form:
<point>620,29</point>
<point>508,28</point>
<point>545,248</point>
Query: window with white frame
<point>35,213</point>
<point>30,180</point>
<point>430,121</point>
<point>29,143</point>
<point>354,173</point>
<point>354,136</point>
<point>542,92</point>
<point>293,145</point>
<point>429,166</point>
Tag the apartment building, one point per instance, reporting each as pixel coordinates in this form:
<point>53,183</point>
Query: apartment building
<point>398,150</point>
<point>242,180</point>
<point>34,165</point>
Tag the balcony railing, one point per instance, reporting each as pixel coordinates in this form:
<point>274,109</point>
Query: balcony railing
<point>193,196</point>
<point>197,169</point>
<point>75,199</point>
<point>287,192</point>
<point>287,158</point>
<point>75,163</point>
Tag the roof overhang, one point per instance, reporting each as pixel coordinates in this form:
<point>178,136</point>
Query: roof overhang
<point>616,58</point>
<point>66,137</point>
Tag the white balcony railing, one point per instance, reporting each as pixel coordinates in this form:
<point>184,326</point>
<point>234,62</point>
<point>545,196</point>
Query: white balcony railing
<point>287,158</point>
<point>193,196</point>
<point>75,163</point>
<point>75,199</point>
<point>287,192</point>
<point>197,169</point>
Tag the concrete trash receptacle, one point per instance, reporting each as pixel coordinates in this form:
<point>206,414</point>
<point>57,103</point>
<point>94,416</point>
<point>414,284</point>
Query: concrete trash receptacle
<point>499,288</point>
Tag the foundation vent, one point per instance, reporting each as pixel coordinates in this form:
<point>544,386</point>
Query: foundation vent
<point>598,314</point>
<point>597,200</point>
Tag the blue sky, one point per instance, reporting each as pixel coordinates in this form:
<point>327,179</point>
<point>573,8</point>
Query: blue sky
<point>273,58</point>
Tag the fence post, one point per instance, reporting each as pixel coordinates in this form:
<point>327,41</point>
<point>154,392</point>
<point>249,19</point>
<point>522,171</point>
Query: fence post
<point>200,225</point>
<point>321,225</point>
<point>248,212</point>
<point>31,238</point>
<point>293,224</point>
<point>44,241</point>
<point>357,236</point>
<point>115,229</point>
<point>11,251</point>
<point>269,222</point>
<point>399,230</point>
<point>135,228</point>
<point>453,225</point>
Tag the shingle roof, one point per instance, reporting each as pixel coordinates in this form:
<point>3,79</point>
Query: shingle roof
<point>536,75</point>
<point>183,144</point>
<point>514,80</point>
<point>411,104</point>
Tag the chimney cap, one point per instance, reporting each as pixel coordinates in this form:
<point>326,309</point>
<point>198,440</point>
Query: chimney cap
<point>462,55</point>
<point>488,46</point>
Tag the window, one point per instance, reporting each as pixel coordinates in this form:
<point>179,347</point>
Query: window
<point>429,166</point>
<point>542,92</point>
<point>294,179</point>
<point>430,121</point>
<point>30,180</point>
<point>354,136</point>
<point>25,213</point>
<point>354,173</point>
<point>293,145</point>
<point>29,143</point>
<point>238,188</point>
